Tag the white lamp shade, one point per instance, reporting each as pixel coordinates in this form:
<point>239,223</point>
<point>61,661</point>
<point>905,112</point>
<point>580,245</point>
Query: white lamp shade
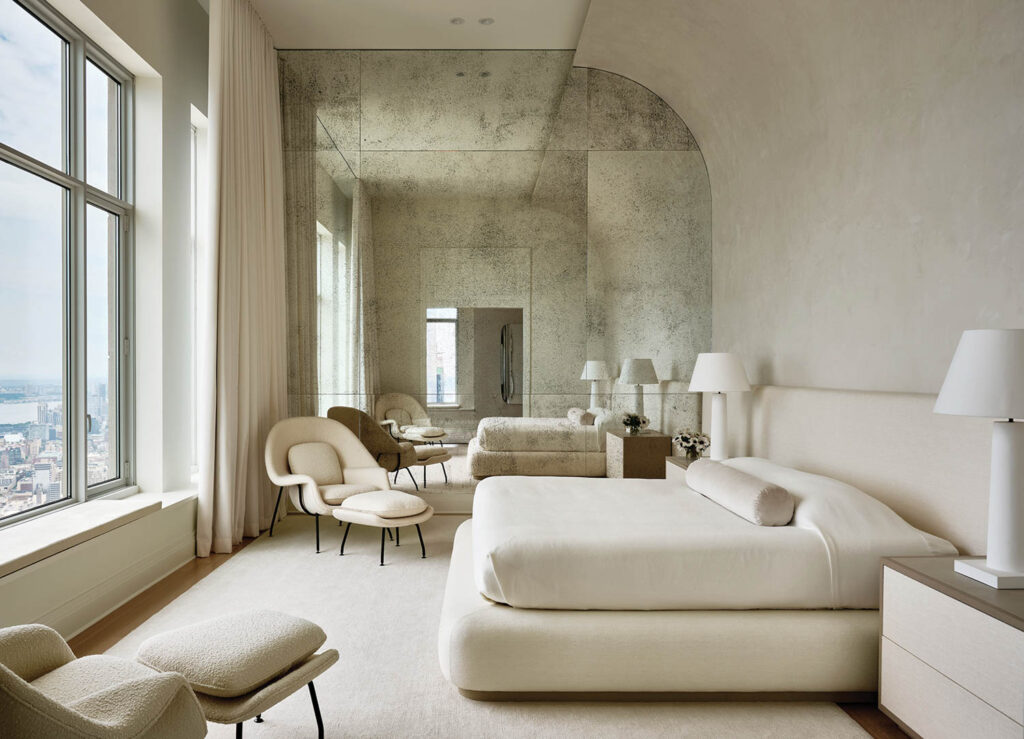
<point>638,372</point>
<point>986,376</point>
<point>718,372</point>
<point>595,369</point>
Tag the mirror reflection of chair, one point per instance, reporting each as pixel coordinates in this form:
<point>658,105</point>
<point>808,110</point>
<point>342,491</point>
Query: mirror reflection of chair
<point>391,453</point>
<point>408,419</point>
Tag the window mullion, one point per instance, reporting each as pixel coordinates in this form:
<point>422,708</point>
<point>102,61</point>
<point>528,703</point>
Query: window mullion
<point>76,443</point>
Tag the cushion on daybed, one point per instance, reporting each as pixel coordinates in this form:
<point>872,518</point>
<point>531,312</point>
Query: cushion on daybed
<point>747,496</point>
<point>581,417</point>
<point>232,655</point>
<point>318,460</point>
<point>386,504</point>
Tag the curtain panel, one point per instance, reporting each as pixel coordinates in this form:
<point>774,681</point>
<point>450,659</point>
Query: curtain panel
<point>243,370</point>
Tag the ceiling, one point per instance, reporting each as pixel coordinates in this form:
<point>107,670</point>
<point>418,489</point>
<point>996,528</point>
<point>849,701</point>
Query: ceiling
<point>423,24</point>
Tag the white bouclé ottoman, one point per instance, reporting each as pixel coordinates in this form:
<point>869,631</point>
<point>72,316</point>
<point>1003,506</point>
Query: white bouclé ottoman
<point>242,664</point>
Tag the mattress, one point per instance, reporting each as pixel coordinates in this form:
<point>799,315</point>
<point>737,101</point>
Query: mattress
<point>580,544</point>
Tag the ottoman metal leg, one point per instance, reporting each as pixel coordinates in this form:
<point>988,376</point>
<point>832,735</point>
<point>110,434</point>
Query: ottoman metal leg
<point>398,537</point>
<point>382,547</point>
<point>258,719</point>
<point>424,477</point>
<point>316,712</point>
<point>413,478</point>
<point>423,549</point>
<point>238,731</point>
<point>344,538</point>
<point>445,473</point>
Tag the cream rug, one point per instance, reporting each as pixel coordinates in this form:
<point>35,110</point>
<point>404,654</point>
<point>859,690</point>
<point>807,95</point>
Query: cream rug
<point>384,620</point>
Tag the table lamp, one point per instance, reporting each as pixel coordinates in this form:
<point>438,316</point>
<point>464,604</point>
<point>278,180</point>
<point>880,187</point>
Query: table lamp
<point>638,372</point>
<point>986,379</point>
<point>718,373</point>
<point>595,370</point>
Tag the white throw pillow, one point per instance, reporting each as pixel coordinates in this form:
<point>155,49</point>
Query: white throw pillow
<point>318,460</point>
<point>752,498</point>
<point>581,417</point>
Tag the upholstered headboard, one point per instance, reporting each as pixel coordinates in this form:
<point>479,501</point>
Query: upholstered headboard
<point>933,470</point>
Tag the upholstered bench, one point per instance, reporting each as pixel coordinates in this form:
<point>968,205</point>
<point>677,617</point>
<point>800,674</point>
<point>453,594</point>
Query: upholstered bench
<point>385,509</point>
<point>242,664</point>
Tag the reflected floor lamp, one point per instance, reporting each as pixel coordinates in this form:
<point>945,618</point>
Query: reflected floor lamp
<point>638,372</point>
<point>595,370</point>
<point>718,373</point>
<point>986,379</point>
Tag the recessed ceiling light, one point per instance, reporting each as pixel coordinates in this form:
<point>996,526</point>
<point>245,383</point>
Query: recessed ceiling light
<point>485,74</point>
<point>486,21</point>
<point>457,21</point>
<point>460,74</point>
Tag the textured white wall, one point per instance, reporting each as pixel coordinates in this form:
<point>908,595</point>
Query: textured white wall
<point>867,168</point>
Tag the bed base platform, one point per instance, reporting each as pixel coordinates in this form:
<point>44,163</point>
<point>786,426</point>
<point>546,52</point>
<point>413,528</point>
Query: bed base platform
<point>491,651</point>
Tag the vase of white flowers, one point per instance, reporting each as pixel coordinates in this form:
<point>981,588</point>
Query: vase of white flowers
<point>691,443</point>
<point>634,422</point>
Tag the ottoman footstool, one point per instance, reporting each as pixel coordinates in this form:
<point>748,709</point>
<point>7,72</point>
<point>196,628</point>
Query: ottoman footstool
<point>242,664</point>
<point>384,509</point>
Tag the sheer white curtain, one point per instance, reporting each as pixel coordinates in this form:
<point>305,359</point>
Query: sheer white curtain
<point>243,371</point>
<point>368,383</point>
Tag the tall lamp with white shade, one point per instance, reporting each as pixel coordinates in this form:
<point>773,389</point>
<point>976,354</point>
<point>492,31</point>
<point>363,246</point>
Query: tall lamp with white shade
<point>986,379</point>
<point>595,370</point>
<point>718,373</point>
<point>638,372</point>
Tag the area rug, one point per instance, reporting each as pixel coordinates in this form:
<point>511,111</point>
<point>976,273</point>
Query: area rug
<point>384,621</point>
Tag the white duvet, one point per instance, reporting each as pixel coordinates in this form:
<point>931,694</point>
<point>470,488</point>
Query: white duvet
<point>586,543</point>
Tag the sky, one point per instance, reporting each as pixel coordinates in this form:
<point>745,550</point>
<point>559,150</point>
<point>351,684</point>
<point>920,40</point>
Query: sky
<point>32,210</point>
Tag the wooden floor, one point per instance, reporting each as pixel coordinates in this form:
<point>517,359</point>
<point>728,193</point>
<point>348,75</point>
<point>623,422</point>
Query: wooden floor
<point>109,630</point>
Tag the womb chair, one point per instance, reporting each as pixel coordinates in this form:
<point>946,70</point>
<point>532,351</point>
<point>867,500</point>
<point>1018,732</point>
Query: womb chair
<point>407,417</point>
<point>46,692</point>
<point>391,453</point>
<point>322,464</point>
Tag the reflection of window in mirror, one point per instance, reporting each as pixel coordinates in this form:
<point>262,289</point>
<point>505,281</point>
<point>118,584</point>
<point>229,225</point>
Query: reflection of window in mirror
<point>442,350</point>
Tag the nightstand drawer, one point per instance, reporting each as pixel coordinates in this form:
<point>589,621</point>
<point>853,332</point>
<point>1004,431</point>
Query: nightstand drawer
<point>934,706</point>
<point>970,648</point>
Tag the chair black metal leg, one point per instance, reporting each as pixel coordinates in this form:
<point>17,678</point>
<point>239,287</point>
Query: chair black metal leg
<point>423,549</point>
<point>317,519</point>
<point>424,477</point>
<point>445,473</point>
<point>390,535</point>
<point>258,719</point>
<point>273,520</point>
<point>238,731</point>
<point>398,537</point>
<point>396,476</point>
<point>413,478</point>
<point>316,712</point>
<point>344,538</point>
<point>382,547</point>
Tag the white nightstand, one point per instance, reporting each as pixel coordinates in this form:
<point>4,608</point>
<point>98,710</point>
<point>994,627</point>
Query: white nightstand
<point>952,652</point>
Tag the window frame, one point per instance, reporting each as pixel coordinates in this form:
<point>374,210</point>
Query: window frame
<point>79,194</point>
<point>455,323</point>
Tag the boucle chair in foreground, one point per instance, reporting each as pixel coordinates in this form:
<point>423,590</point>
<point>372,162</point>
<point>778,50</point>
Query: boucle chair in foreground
<point>322,464</point>
<point>242,664</point>
<point>46,692</point>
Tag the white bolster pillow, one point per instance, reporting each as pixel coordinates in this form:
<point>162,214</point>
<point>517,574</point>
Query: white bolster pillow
<point>756,500</point>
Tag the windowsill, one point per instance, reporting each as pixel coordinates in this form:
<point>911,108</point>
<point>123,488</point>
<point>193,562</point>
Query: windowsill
<point>446,406</point>
<point>26,543</point>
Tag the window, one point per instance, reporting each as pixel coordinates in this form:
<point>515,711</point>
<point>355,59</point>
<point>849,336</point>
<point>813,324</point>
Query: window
<point>442,350</point>
<point>65,245</point>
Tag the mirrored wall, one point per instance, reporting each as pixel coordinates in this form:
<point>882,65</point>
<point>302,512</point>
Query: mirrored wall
<point>480,181</point>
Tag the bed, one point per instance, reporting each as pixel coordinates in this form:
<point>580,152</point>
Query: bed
<point>563,588</point>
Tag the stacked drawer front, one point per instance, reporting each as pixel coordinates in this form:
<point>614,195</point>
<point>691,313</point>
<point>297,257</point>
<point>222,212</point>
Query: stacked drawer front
<point>948,670</point>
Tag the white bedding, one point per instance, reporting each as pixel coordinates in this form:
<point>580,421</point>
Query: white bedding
<point>578,544</point>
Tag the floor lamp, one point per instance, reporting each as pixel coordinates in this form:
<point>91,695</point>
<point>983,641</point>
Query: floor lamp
<point>595,370</point>
<point>986,379</point>
<point>718,373</point>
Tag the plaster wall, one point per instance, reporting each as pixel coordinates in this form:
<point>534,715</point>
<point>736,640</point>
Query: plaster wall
<point>866,164</point>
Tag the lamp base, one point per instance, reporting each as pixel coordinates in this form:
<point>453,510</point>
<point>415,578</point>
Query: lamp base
<point>977,568</point>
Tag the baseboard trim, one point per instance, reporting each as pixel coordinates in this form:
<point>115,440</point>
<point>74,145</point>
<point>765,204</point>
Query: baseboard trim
<point>854,696</point>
